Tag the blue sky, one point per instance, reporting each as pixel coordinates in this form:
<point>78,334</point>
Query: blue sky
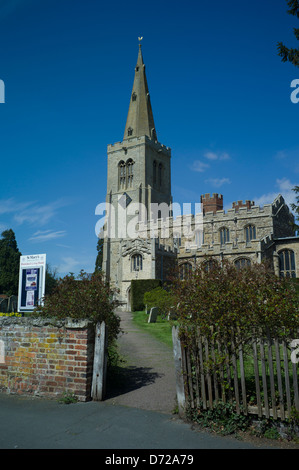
<point>219,92</point>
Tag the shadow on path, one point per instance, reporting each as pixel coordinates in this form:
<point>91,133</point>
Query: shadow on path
<point>128,379</point>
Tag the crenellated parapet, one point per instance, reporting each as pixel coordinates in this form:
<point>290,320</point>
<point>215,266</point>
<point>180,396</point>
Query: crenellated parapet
<point>137,141</point>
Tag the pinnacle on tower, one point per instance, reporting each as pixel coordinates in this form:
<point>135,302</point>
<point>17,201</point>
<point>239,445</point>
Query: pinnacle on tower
<point>140,120</point>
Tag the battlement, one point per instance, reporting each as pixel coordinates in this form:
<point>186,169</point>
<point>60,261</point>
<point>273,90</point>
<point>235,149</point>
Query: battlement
<point>135,141</point>
<point>239,204</point>
<point>165,249</point>
<point>212,203</point>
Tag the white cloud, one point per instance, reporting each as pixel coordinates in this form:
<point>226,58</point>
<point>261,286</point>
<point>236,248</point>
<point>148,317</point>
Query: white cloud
<point>217,156</point>
<point>72,264</point>
<point>69,265</point>
<point>46,235</point>
<point>199,166</point>
<point>39,214</point>
<point>284,188</point>
<point>8,206</point>
<point>217,182</point>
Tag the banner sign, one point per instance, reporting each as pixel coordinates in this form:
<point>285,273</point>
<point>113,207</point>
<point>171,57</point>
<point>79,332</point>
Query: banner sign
<point>32,279</point>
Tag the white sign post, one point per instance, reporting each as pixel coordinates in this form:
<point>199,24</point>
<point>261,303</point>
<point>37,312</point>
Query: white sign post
<point>32,279</point>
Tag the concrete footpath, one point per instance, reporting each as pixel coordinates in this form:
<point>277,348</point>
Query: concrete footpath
<point>137,413</point>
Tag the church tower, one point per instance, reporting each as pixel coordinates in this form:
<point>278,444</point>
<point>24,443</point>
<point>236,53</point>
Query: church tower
<point>138,181</point>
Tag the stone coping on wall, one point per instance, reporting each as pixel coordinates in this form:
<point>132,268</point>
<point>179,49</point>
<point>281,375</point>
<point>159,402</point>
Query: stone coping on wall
<point>38,321</point>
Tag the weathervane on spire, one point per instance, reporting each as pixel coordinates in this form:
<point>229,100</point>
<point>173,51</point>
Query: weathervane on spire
<point>140,39</point>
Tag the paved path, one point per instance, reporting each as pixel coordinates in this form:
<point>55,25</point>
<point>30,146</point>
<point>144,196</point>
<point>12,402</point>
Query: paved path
<point>147,380</point>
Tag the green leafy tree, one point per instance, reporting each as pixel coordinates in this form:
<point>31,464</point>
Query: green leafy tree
<point>9,263</point>
<point>159,298</point>
<point>290,54</point>
<point>51,280</point>
<point>295,206</point>
<point>85,297</point>
<point>99,259</point>
<point>225,298</point>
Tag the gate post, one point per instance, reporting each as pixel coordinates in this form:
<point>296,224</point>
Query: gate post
<point>98,388</point>
<point>180,389</point>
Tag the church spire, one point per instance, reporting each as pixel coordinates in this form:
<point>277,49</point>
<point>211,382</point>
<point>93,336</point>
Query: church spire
<point>140,120</point>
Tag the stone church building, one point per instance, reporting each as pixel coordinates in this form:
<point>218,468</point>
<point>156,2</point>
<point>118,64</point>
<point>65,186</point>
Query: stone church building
<point>142,239</point>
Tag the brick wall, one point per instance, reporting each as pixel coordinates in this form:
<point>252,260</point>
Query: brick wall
<point>46,358</point>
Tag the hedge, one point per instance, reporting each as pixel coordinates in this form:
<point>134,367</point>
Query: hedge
<point>138,288</point>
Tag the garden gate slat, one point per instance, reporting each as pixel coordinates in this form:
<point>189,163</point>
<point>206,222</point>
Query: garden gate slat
<point>274,392</point>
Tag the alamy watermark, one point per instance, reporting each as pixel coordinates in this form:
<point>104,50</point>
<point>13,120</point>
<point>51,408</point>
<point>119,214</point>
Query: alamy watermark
<point>295,94</point>
<point>2,91</point>
<point>131,220</point>
<point>295,351</point>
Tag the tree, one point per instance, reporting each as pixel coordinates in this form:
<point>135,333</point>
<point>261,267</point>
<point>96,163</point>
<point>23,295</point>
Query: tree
<point>225,297</point>
<point>99,259</point>
<point>9,263</point>
<point>290,54</point>
<point>51,280</point>
<point>82,298</point>
<point>295,207</point>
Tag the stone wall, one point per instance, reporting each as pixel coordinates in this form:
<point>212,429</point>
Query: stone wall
<point>45,358</point>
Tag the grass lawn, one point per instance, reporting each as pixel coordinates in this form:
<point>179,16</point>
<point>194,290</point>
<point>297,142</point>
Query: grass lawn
<point>161,330</point>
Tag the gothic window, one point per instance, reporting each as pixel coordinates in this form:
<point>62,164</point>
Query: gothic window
<point>160,174</point>
<point>287,263</point>
<point>209,265</point>
<point>122,175</point>
<point>177,240</point>
<point>250,233</point>
<point>242,263</point>
<point>130,164</point>
<point>136,261</point>
<point>224,235</point>
<point>185,271</point>
<point>198,238</point>
<point>130,131</point>
<point>134,96</point>
<point>155,172</point>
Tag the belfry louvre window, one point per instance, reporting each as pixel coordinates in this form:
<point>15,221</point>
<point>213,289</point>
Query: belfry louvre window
<point>160,174</point>
<point>136,262</point>
<point>122,175</point>
<point>155,172</point>
<point>130,164</point>
<point>224,235</point>
<point>287,263</point>
<point>250,233</point>
<point>125,174</point>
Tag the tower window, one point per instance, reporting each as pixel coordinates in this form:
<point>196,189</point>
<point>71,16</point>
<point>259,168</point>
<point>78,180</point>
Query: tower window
<point>130,164</point>
<point>155,172</point>
<point>130,131</point>
<point>125,174</point>
<point>136,262</point>
<point>134,96</point>
<point>160,174</point>
<point>287,263</point>
<point>121,175</point>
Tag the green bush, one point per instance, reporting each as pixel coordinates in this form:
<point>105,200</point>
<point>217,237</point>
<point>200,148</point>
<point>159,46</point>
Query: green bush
<point>138,288</point>
<point>82,298</point>
<point>159,298</point>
